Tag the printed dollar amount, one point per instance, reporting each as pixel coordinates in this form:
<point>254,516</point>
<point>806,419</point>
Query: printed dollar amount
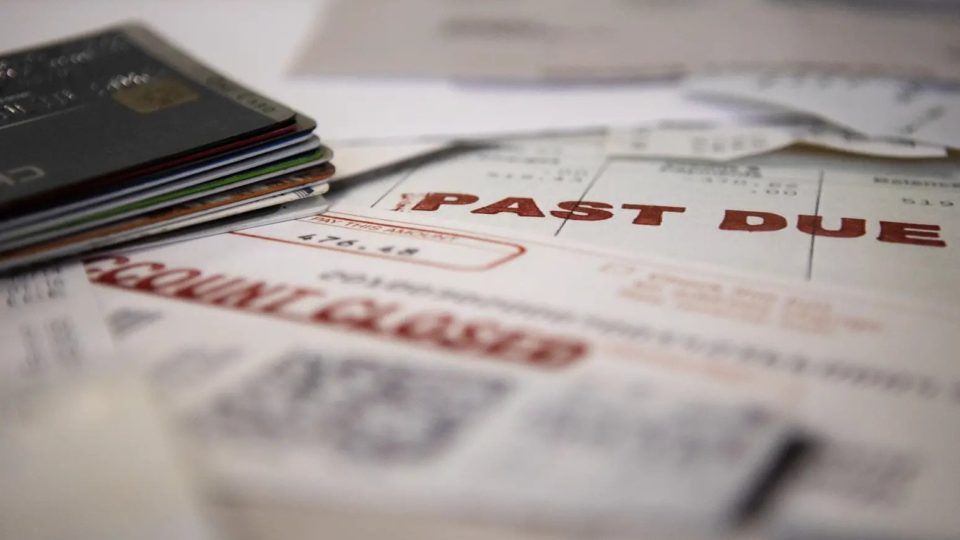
<point>358,244</point>
<point>388,240</point>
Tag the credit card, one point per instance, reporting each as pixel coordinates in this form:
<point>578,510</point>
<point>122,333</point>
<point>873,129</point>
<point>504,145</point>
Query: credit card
<point>290,195</point>
<point>300,208</point>
<point>184,194</point>
<point>215,165</point>
<point>77,113</point>
<point>152,190</point>
<point>252,197</point>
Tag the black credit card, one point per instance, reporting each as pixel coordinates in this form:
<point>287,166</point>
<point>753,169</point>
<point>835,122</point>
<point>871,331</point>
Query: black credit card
<point>82,111</point>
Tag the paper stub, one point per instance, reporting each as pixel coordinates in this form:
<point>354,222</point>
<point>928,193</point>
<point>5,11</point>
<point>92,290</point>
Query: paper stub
<point>734,142</point>
<point>847,483</point>
<point>879,107</point>
<point>594,456</point>
<point>50,326</point>
<point>614,456</point>
<point>90,460</point>
<point>374,416</point>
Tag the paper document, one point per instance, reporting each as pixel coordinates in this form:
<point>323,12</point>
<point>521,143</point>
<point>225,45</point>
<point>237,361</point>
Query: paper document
<point>537,40</point>
<point>446,391</point>
<point>288,339</point>
<point>725,143</point>
<point>878,225</point>
<point>874,106</point>
<point>50,326</point>
<point>353,159</point>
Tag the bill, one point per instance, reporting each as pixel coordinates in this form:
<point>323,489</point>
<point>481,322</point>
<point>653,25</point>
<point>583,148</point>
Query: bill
<point>434,422</point>
<point>882,225</point>
<point>458,311</point>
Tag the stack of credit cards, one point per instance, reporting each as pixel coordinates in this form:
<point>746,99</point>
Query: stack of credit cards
<point>117,137</point>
